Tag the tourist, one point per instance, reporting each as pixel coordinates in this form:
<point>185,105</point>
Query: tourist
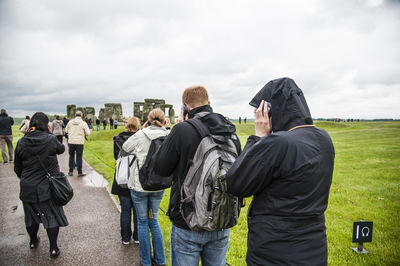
<point>90,124</point>
<point>125,199</point>
<point>6,136</point>
<point>38,147</point>
<point>174,156</point>
<point>104,123</point>
<point>76,129</point>
<point>287,167</point>
<point>97,124</point>
<point>65,121</point>
<point>115,124</point>
<point>57,126</point>
<point>147,203</point>
<point>111,123</point>
<point>24,125</point>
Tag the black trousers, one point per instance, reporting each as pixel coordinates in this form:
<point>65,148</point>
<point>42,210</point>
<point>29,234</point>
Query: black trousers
<point>60,138</point>
<point>78,150</point>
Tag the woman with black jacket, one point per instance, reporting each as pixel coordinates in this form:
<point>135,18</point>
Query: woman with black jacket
<point>39,145</point>
<point>127,207</point>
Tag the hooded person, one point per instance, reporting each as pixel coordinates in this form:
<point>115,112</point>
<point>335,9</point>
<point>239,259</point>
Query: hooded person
<point>287,167</point>
<point>38,149</point>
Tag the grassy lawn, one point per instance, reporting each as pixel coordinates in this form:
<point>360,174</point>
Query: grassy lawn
<point>366,186</point>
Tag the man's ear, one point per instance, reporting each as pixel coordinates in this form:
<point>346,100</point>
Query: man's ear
<point>209,103</point>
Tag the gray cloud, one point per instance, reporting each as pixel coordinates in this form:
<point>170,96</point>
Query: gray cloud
<point>343,54</point>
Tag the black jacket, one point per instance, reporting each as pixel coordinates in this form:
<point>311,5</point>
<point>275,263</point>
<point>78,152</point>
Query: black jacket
<point>289,173</point>
<point>33,182</point>
<point>179,148</point>
<point>118,141</point>
<point>5,124</point>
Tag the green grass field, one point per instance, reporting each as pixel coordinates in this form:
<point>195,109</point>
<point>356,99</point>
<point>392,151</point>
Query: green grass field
<point>366,186</point>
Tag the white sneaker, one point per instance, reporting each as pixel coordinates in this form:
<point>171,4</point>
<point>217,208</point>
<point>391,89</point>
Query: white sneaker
<point>126,242</point>
<point>136,241</point>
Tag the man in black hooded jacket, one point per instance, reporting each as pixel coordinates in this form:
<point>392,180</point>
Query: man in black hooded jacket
<point>288,168</point>
<point>174,157</point>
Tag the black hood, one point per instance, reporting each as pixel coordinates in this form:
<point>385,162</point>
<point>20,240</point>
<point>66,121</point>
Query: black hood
<point>289,107</point>
<point>216,123</point>
<point>36,142</point>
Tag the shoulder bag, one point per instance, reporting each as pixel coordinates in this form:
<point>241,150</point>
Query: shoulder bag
<point>61,190</point>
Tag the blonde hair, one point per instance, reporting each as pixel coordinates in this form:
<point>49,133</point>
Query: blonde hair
<point>156,117</point>
<point>133,124</point>
<point>195,96</point>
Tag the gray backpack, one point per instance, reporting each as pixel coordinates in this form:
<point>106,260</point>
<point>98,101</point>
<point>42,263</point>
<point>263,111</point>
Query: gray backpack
<point>205,204</point>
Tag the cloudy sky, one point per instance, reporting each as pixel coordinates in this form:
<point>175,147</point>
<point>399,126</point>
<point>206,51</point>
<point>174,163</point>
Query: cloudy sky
<point>343,54</point>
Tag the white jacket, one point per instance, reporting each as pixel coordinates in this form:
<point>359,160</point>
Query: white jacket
<point>138,145</point>
<point>77,129</point>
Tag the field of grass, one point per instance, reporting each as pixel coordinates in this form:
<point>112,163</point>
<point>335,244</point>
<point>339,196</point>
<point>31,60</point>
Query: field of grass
<point>366,186</point>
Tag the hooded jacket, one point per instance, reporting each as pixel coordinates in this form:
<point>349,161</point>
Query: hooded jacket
<point>289,173</point>
<point>57,126</point>
<point>77,129</point>
<point>118,142</point>
<point>139,145</point>
<point>5,124</point>
<point>33,181</point>
<point>178,150</point>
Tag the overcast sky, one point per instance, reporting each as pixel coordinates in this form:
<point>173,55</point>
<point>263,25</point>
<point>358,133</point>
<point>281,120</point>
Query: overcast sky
<point>343,54</point>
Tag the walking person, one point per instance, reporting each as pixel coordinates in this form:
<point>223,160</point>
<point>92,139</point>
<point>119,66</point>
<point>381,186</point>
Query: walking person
<point>287,167</point>
<point>111,123</point>
<point>174,157</point>
<point>115,124</point>
<point>97,124</point>
<point>39,145</point>
<point>6,136</point>
<point>90,123</point>
<point>25,125</point>
<point>57,127</point>
<point>147,203</point>
<point>76,129</point>
<point>124,195</point>
<point>104,123</point>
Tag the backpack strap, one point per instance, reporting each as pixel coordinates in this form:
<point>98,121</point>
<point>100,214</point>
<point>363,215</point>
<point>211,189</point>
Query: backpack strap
<point>199,126</point>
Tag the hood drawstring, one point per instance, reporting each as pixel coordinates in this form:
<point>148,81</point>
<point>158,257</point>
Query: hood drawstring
<point>293,128</point>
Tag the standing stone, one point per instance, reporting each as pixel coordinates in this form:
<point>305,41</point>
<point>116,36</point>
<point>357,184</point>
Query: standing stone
<point>90,113</point>
<point>115,111</point>
<point>101,114</point>
<point>142,109</point>
<point>71,109</point>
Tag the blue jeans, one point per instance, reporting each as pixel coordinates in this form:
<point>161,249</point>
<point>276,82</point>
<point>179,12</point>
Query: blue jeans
<point>187,247</point>
<point>126,213</point>
<point>144,201</point>
<point>78,149</point>
<point>98,127</point>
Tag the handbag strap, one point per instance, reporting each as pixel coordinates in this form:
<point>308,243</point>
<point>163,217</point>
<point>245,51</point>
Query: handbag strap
<point>44,168</point>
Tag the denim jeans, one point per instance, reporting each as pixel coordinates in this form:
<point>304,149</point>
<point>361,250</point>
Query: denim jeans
<point>126,213</point>
<point>144,201</point>
<point>78,149</point>
<point>98,127</point>
<point>187,247</point>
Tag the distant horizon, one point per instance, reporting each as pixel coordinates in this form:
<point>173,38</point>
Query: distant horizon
<point>343,55</point>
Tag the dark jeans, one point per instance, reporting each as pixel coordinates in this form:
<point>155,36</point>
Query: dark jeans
<point>78,149</point>
<point>127,208</point>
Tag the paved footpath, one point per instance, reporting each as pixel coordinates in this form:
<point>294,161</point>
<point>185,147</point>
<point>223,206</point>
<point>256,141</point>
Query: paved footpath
<point>93,234</point>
